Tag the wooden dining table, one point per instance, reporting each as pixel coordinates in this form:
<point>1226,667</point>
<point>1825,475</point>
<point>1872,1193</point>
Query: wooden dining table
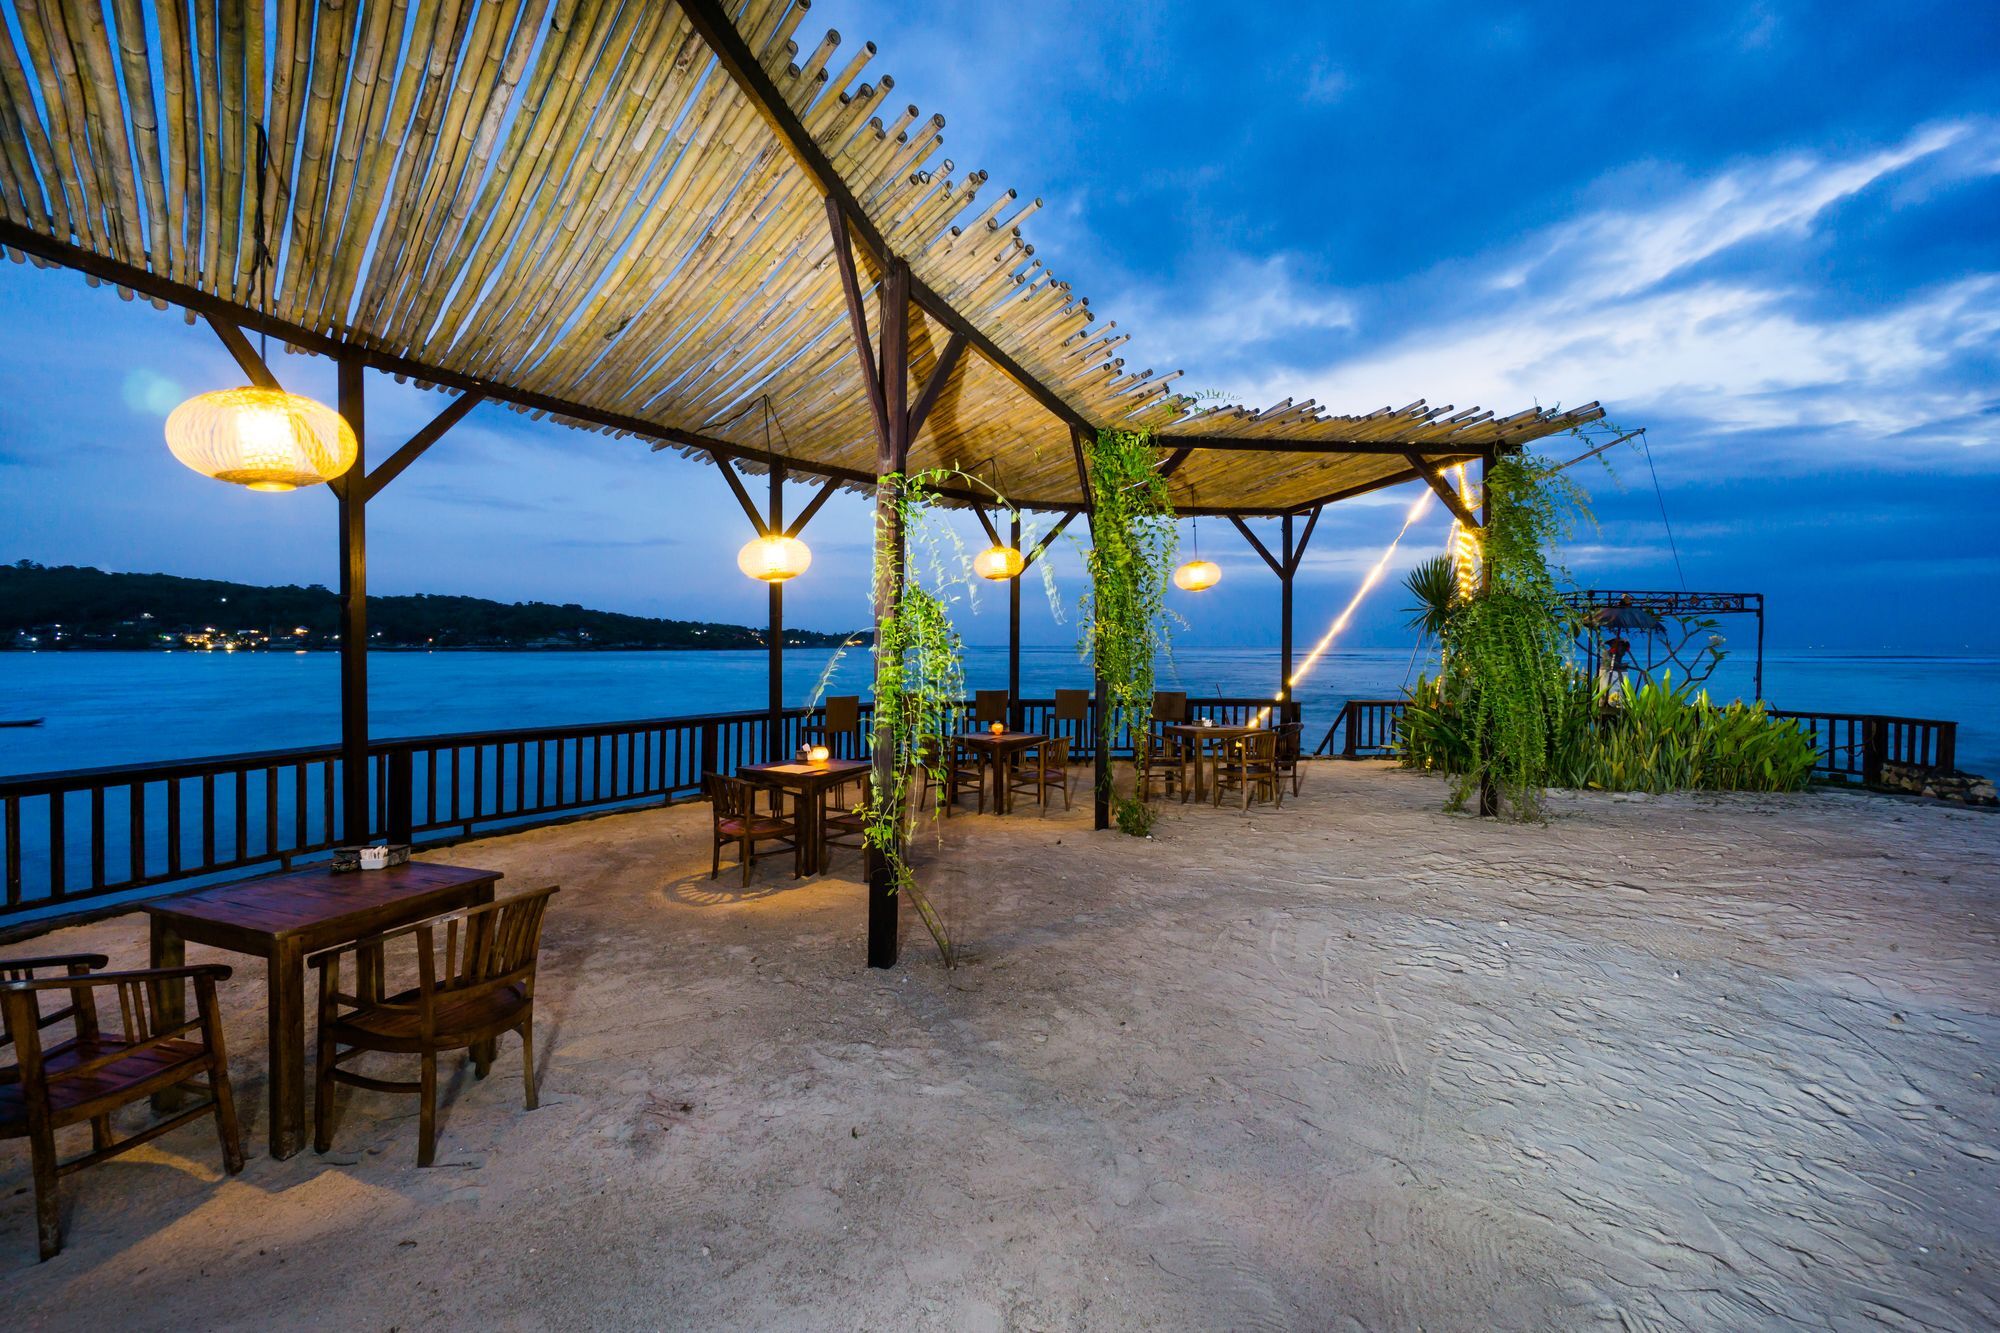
<point>996,748</point>
<point>809,782</point>
<point>1203,737</point>
<point>284,917</point>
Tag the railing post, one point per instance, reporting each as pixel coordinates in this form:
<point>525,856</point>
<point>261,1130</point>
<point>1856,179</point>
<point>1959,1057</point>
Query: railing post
<point>1350,717</point>
<point>1947,746</point>
<point>1874,748</point>
<point>401,795</point>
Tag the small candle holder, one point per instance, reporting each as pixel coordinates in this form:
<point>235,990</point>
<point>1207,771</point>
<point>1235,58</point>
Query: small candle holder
<point>805,753</point>
<point>818,754</point>
<point>998,728</point>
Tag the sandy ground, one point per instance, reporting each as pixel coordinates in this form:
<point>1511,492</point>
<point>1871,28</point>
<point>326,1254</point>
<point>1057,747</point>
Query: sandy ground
<point>1692,1062</point>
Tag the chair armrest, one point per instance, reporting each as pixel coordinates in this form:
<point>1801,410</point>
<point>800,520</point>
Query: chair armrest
<point>215,971</point>
<point>87,960</point>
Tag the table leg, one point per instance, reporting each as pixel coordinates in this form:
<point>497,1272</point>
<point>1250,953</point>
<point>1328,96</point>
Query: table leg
<point>170,998</point>
<point>286,1020</point>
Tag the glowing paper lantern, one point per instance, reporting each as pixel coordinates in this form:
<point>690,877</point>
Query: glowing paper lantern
<point>266,439</point>
<point>1197,575</point>
<point>999,563</point>
<point>818,754</point>
<point>775,558</point>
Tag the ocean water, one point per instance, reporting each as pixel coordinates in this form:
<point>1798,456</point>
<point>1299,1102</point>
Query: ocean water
<point>118,708</point>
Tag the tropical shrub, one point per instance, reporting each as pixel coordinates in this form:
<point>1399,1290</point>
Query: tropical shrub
<point>1662,737</point>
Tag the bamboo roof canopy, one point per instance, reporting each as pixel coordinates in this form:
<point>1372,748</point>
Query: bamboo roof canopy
<point>632,216</point>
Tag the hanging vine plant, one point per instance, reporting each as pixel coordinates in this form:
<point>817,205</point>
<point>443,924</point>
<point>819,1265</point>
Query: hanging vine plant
<point>919,671</point>
<point>1131,553</point>
<point>1506,673</point>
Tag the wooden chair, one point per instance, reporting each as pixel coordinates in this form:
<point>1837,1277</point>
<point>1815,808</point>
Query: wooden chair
<point>1043,767</point>
<point>1291,740</point>
<point>847,826</point>
<point>964,768</point>
<point>733,805</point>
<point>92,1073</point>
<point>1251,763</point>
<point>839,727</point>
<point>1169,762</point>
<point>992,706</point>
<point>479,987</point>
<point>1073,708</point>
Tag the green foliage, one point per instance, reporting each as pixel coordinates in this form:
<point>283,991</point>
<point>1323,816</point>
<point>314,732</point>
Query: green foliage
<point>1130,557</point>
<point>1434,584</point>
<point>1661,737</point>
<point>1506,649</point>
<point>919,669</point>
<point>1135,817</point>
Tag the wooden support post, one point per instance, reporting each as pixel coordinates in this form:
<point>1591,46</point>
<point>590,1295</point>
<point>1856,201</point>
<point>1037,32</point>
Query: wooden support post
<point>1100,692</point>
<point>774,670</point>
<point>352,490</point>
<point>1015,714</point>
<point>1285,622</point>
<point>891,457</point>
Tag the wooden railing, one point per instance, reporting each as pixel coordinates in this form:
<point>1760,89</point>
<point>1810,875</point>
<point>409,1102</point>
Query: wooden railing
<point>76,839</point>
<point>1368,728</point>
<point>1856,745</point>
<point>1852,746</point>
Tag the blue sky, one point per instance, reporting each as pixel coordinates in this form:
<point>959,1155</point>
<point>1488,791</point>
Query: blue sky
<point>1764,232</point>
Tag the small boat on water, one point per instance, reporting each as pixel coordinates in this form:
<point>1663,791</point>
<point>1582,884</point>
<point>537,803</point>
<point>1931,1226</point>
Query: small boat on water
<point>21,721</point>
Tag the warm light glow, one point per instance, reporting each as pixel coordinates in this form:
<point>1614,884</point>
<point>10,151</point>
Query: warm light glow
<point>819,754</point>
<point>775,558</point>
<point>1197,575</point>
<point>998,728</point>
<point>998,563</point>
<point>265,439</point>
<point>1304,669</point>
<point>1464,542</point>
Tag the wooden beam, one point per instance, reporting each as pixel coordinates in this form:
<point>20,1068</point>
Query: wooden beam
<point>1028,558</point>
<point>1390,448</point>
<point>1277,565</point>
<point>743,497</point>
<point>1076,435</point>
<point>986,522</point>
<point>954,347</point>
<point>413,448</point>
<point>1173,461</point>
<point>824,494</point>
<point>1435,480</point>
<point>713,24</point>
<point>246,356</point>
<point>1305,538</point>
<point>857,314</point>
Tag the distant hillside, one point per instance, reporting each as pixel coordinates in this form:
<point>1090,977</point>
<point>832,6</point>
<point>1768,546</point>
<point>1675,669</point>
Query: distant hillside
<point>68,606</point>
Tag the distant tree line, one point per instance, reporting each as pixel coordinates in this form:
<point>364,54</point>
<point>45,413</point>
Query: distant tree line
<point>70,606</point>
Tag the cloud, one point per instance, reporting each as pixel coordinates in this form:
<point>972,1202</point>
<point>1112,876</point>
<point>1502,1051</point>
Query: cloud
<point>1645,307</point>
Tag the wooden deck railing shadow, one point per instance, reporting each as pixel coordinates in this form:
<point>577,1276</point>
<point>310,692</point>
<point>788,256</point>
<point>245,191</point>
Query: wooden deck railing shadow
<point>83,838</point>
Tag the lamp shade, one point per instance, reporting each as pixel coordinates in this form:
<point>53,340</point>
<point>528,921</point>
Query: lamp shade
<point>266,439</point>
<point>998,563</point>
<point>775,558</point>
<point>1197,575</point>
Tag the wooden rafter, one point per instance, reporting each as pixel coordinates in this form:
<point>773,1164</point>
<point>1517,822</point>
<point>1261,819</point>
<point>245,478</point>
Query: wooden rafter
<point>1435,480</point>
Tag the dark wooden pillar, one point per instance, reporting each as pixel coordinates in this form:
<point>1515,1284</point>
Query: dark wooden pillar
<point>891,456</point>
<point>1015,713</point>
<point>774,670</point>
<point>352,493</point>
<point>1285,622</point>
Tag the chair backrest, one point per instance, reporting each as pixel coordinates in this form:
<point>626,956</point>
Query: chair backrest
<point>843,714</point>
<point>1073,705</point>
<point>730,797</point>
<point>1170,705</point>
<point>495,944</point>
<point>1260,746</point>
<point>1290,735</point>
<point>81,1007</point>
<point>989,706</point>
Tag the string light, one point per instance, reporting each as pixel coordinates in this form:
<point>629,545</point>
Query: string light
<point>1463,543</point>
<point>1374,576</point>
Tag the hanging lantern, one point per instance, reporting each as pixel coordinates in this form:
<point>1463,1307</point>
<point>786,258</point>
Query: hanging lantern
<point>999,563</point>
<point>266,439</point>
<point>774,558</point>
<point>1197,575</point>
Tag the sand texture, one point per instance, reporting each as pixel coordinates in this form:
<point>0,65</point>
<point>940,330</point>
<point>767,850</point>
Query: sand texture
<point>1669,1063</point>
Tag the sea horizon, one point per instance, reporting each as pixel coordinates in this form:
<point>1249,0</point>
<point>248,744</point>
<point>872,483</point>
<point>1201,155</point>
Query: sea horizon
<point>107,707</point>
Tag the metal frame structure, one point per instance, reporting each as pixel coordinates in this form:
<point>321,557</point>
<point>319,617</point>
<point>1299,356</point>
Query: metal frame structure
<point>1670,605</point>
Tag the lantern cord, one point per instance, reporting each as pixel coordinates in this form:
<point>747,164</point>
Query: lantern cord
<point>260,254</point>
